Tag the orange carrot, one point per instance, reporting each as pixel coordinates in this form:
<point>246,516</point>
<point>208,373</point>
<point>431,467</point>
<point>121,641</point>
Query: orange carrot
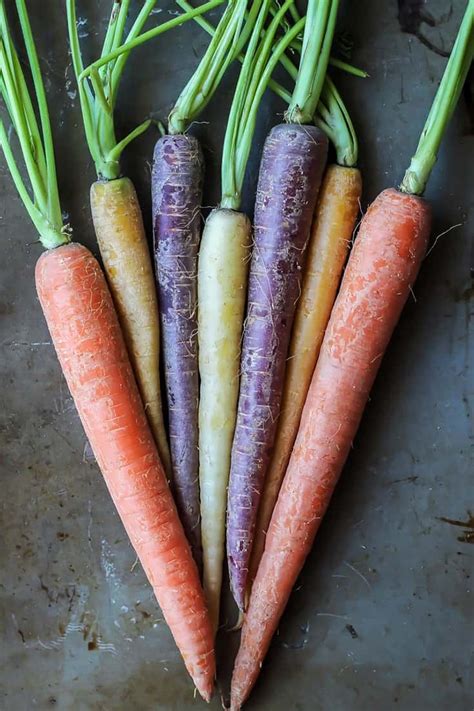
<point>91,349</point>
<point>381,270</point>
<point>383,266</point>
<point>86,334</point>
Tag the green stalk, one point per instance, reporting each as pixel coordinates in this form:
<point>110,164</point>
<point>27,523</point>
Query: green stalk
<point>317,40</point>
<point>207,77</point>
<point>36,143</point>
<point>155,32</point>
<point>449,90</point>
<point>331,113</point>
<point>333,118</point>
<point>230,184</point>
<point>245,34</point>
<point>254,78</point>
<point>137,27</point>
<point>99,83</point>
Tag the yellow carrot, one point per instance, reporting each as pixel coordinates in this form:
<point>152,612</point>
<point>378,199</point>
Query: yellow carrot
<point>121,237</point>
<point>334,222</point>
<point>117,217</point>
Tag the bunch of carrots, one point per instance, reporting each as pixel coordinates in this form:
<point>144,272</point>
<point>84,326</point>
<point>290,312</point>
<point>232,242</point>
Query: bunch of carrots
<point>267,357</point>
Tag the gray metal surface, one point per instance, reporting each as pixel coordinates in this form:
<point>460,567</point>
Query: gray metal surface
<point>382,617</point>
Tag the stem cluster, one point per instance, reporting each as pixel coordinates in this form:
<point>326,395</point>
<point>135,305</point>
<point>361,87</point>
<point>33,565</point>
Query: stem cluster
<point>35,138</point>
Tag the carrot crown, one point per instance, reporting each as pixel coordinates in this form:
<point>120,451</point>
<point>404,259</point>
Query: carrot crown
<point>224,45</point>
<point>111,64</point>
<point>331,113</point>
<point>315,53</point>
<point>261,58</point>
<point>449,90</point>
<point>98,93</point>
<point>41,199</point>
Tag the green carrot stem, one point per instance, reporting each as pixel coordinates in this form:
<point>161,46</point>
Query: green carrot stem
<point>150,34</point>
<point>54,208</point>
<point>254,78</point>
<point>231,189</point>
<point>36,142</point>
<point>332,117</point>
<point>207,77</point>
<point>317,40</point>
<point>119,65</point>
<point>449,90</point>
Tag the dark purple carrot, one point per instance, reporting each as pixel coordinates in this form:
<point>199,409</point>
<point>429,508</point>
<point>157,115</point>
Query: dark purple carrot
<point>177,197</point>
<point>177,181</point>
<point>293,161</point>
<point>291,170</point>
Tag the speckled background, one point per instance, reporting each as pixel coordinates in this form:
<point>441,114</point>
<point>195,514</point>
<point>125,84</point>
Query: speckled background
<point>382,617</point>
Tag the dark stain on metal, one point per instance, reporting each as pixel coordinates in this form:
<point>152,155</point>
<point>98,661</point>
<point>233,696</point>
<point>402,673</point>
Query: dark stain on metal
<point>352,631</point>
<point>467,535</point>
<point>466,294</point>
<point>93,643</point>
<point>411,15</point>
<point>406,479</point>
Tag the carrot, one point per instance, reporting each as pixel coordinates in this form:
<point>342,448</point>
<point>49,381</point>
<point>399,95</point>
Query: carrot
<point>222,293</point>
<point>86,334</point>
<point>331,234</point>
<point>121,237</point>
<point>116,216</point>
<point>334,222</point>
<point>114,201</point>
<point>177,181</point>
<point>377,282</point>
<point>293,161</point>
<point>90,347</point>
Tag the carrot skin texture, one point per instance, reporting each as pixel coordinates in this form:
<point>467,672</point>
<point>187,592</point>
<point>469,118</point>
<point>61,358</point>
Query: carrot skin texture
<point>86,334</point>
<point>123,246</point>
<point>381,270</point>
<point>177,183</point>
<point>331,233</point>
<point>222,287</point>
<point>290,175</point>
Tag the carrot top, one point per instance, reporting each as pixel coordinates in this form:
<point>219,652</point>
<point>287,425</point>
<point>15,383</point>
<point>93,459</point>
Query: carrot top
<point>41,198</point>
<point>331,115</point>
<point>227,41</point>
<point>98,95</point>
<point>99,82</point>
<point>449,90</point>
<point>315,53</point>
<point>261,57</point>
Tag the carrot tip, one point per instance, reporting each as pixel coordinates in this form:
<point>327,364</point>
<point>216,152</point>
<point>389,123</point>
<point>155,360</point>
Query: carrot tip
<point>239,623</point>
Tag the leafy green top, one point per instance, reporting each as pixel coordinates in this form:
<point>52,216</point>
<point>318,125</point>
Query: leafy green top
<point>449,90</point>
<point>41,199</point>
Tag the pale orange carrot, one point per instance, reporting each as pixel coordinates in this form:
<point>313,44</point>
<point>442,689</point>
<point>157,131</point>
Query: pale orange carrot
<point>382,268</point>
<point>333,226</point>
<point>91,349</point>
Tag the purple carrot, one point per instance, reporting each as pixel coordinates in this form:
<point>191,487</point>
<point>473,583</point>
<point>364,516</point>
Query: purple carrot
<point>291,170</point>
<point>177,182</point>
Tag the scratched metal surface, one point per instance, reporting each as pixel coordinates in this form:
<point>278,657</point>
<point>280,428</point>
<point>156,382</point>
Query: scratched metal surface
<point>382,614</point>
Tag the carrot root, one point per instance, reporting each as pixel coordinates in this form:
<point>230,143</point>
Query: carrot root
<point>86,334</point>
<point>123,246</point>
<point>381,270</point>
